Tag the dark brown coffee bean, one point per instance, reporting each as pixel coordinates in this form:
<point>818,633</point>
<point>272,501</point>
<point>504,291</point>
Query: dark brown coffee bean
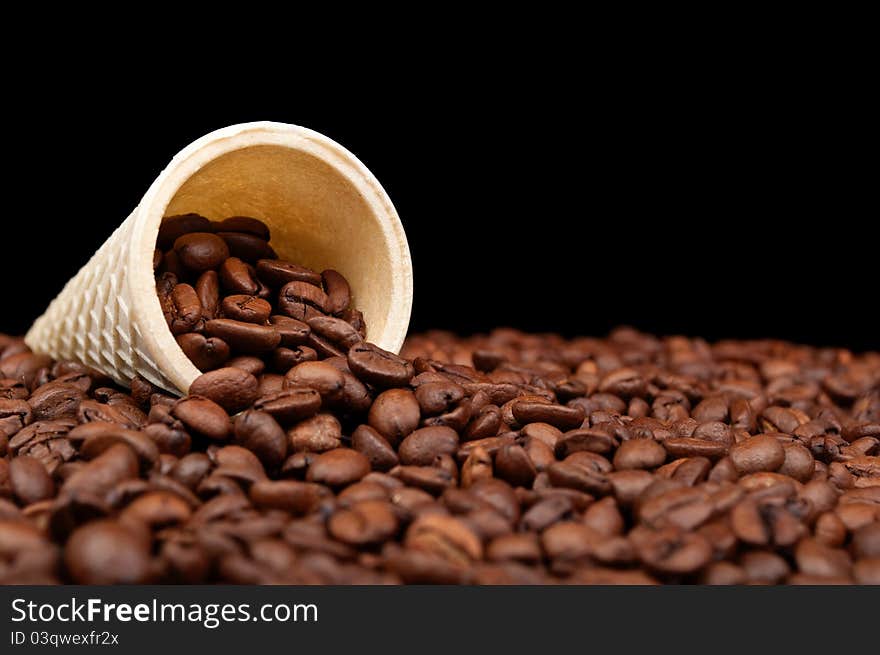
<point>292,496</point>
<point>13,390</point>
<point>248,247</point>
<point>422,446</point>
<point>323,347</point>
<point>239,464</point>
<point>446,537</point>
<point>375,447</point>
<point>98,476</point>
<point>337,332</point>
<point>29,480</point>
<point>379,367</point>
<point>338,291</point>
<point>169,440</point>
<point>596,440</point>
<point>204,417</point>
<point>236,277</point>
<point>295,293</point>
<point>769,521</point>
<point>428,478</point>
<point>108,552</point>
<point>174,227</point>
<point>438,397</point>
<point>206,353</point>
<point>512,464</point>
<point>818,559</point>
<point>244,337</point>
<point>231,388</point>
<point>564,418</point>
<point>249,309</point>
<point>672,551</point>
<point>291,404</point>
<point>798,463</point>
<point>759,453</point>
<point>764,567</point>
<point>572,476</point>
<point>284,359</point>
<point>207,289</point>
<point>568,541</point>
<point>191,469</point>
<point>277,273</point>
<point>260,433</point>
<point>338,467</point>
<point>55,400</point>
<point>293,332</point>
<point>477,466</point>
<point>244,224</point>
<point>200,251</point>
<point>139,442</point>
<point>317,434</point>
<point>639,454</point>
<point>395,414</point>
<point>366,522</point>
<point>320,376</point>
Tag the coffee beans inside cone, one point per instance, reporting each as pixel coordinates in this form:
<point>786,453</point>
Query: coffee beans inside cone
<point>231,302</point>
<point>500,459</point>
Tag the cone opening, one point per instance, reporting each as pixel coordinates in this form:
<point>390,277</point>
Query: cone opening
<point>316,215</point>
<point>324,209</point>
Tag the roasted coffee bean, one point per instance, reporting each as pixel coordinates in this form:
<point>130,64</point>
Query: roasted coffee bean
<point>231,388</point>
<point>29,480</point>
<point>366,522</point>
<point>98,476</point>
<point>204,417</point>
<point>477,466</point>
<point>375,447</point>
<point>762,452</point>
<point>277,273</point>
<point>244,224</point>
<point>338,291</point>
<point>338,467</point>
<point>291,404</point>
<point>55,400</point>
<point>301,293</point>
<point>379,367</point>
<point>395,414</point>
<point>206,353</point>
<point>139,443</point>
<point>236,277</point>
<point>639,454</point>
<point>207,289</point>
<point>422,446</point>
<point>293,332</point>
<point>108,552</point>
<point>513,464</point>
<point>284,359</point>
<point>249,309</point>
<point>317,434</point>
<point>248,247</point>
<point>671,551</point>
<point>324,378</point>
<point>201,251</point>
<point>336,333</point>
<point>445,537</point>
<point>173,227</point>
<point>169,439</point>
<point>260,433</point>
<point>244,337</point>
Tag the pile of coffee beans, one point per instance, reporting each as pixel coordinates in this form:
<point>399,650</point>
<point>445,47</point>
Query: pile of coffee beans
<point>314,457</point>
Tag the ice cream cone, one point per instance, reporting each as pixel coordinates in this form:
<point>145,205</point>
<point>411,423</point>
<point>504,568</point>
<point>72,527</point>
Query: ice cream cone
<point>324,208</point>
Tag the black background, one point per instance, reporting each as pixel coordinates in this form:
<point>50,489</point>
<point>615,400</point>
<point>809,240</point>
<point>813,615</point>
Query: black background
<point>674,204</point>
